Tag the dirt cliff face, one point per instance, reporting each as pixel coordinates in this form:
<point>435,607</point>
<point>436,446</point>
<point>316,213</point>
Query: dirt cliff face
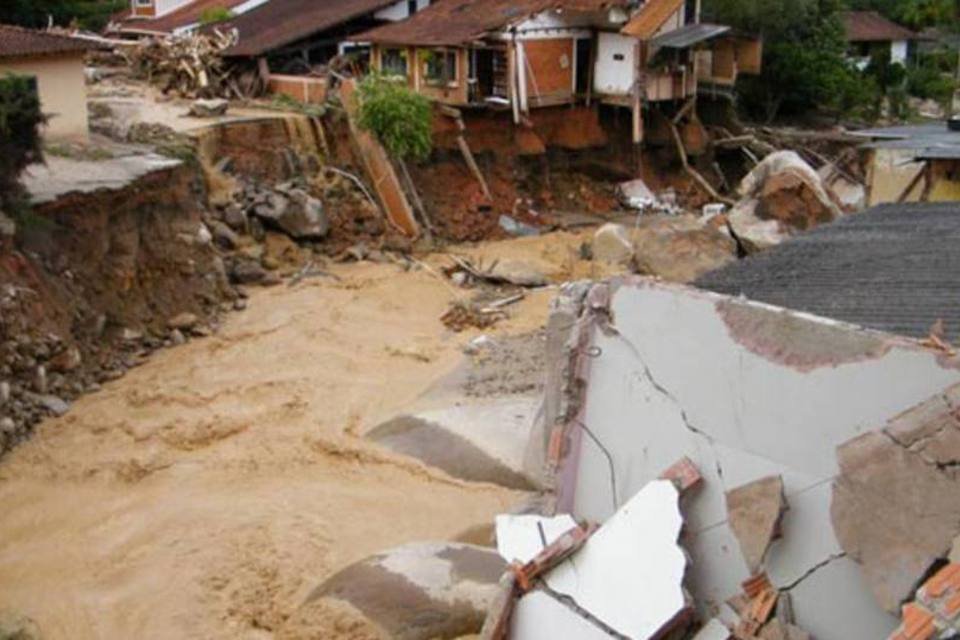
<point>88,288</point>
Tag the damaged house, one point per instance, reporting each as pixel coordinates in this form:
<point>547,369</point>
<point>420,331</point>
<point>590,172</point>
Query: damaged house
<point>293,36</point>
<point>542,53</point>
<point>814,457</point>
<point>174,17</point>
<point>912,163</point>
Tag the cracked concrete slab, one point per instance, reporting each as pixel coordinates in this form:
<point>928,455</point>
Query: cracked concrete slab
<point>753,512</point>
<point>894,513</point>
<point>745,391</point>
<point>58,176</point>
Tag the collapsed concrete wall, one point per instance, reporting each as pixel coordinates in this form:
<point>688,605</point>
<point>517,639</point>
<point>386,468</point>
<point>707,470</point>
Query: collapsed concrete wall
<point>655,372</point>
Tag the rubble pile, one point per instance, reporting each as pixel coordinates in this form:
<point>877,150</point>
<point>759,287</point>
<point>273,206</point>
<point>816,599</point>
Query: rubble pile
<point>191,65</point>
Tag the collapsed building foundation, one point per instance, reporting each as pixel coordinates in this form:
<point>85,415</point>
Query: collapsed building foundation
<point>806,433</point>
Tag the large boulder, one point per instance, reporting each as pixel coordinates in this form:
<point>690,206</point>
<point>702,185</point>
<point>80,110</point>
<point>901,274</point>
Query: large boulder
<point>295,212</point>
<point>781,195</point>
<point>420,591</point>
<point>680,248</point>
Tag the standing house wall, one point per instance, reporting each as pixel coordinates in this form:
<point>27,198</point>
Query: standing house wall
<point>62,88</point>
<point>745,391</point>
<point>615,64</point>
<point>550,68</point>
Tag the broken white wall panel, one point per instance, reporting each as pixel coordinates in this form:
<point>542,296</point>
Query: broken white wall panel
<point>713,630</point>
<point>745,391</point>
<point>521,537</point>
<point>629,574</point>
<point>539,616</point>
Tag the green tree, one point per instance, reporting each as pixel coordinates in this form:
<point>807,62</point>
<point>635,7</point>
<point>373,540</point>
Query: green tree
<point>89,14</point>
<point>804,63</point>
<point>213,15</point>
<point>20,144</point>
<point>915,13</point>
<point>400,118</point>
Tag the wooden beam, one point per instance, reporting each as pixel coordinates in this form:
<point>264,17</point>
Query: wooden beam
<point>913,184</point>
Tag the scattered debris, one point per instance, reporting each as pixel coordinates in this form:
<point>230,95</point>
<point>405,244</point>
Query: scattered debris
<point>212,108</point>
<point>612,245</point>
<point>754,511</point>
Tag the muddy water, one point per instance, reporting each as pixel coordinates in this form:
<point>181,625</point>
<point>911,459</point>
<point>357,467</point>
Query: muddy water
<point>207,492</point>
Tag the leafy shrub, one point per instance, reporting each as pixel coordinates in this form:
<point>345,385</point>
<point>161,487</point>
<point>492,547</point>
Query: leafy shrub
<point>929,83</point>
<point>213,15</point>
<point>399,117</point>
<point>20,144</point>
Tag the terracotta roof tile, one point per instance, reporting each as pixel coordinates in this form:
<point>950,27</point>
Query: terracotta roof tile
<point>870,26</point>
<point>281,22</point>
<point>652,15</point>
<point>18,41</point>
<point>947,578</point>
<point>182,17</point>
<point>456,22</point>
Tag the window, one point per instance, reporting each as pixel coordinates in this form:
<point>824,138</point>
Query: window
<point>144,3</point>
<point>411,7</point>
<point>440,67</point>
<point>393,62</point>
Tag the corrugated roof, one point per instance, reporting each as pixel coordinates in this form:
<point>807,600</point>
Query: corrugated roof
<point>895,268</point>
<point>651,16</point>
<point>455,22</point>
<point>282,22</point>
<point>930,141</point>
<point>18,41</point>
<point>870,26</point>
<point>182,17</point>
<point>689,35</point>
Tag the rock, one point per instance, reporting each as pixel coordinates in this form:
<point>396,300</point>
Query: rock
<point>523,273</point>
<point>635,194</point>
<point>680,248</point>
<point>4,393</point>
<point>418,591</point>
<point>612,245</point>
<point>177,337</point>
<point>55,405</point>
<point>209,108</point>
<point>790,191</point>
<point>235,217</point>
<point>296,213</point>
<point>754,511</point>
<point>67,360</point>
<point>223,236</point>
<point>8,228</point>
<point>239,304</point>
<point>245,270</point>
<point>203,237</point>
<point>183,321</point>
<point>753,233</point>
<point>40,380</point>
<point>7,425</point>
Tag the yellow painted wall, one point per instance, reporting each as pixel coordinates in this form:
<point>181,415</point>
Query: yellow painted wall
<point>946,181</point>
<point>63,91</point>
<point>891,171</point>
